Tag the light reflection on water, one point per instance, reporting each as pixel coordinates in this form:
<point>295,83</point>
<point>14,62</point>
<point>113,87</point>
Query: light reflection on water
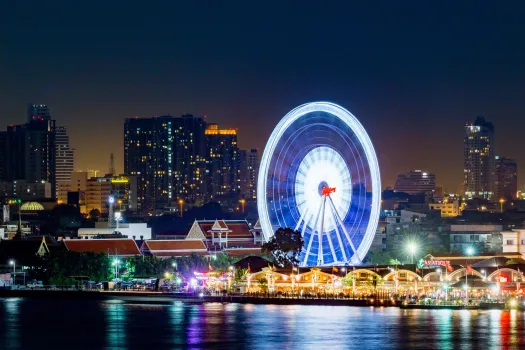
<point>38,324</point>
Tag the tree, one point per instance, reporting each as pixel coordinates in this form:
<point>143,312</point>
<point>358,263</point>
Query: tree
<point>94,214</point>
<point>285,247</point>
<point>512,262</point>
<point>378,258</point>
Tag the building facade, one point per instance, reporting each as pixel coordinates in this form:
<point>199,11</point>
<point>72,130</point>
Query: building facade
<point>506,182</point>
<point>479,237</point>
<point>65,163</point>
<point>223,163</point>
<point>415,182</point>
<point>479,157</point>
<point>249,170</point>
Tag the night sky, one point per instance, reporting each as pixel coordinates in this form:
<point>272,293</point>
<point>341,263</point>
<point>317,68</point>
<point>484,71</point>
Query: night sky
<point>412,73</point>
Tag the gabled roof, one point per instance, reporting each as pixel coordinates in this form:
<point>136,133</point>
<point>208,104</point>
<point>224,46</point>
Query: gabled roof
<point>122,247</point>
<point>180,247</point>
<point>235,228</point>
<point>23,252</point>
<point>50,241</point>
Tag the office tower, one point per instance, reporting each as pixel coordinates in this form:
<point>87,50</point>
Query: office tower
<point>506,183</point>
<point>189,159</point>
<point>65,163</point>
<point>415,181</point>
<point>37,112</point>
<point>249,168</point>
<point>223,174</point>
<point>479,159</point>
<point>148,154</point>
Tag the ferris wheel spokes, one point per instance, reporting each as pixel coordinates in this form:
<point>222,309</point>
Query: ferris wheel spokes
<point>311,234</point>
<point>334,211</point>
<point>338,235</point>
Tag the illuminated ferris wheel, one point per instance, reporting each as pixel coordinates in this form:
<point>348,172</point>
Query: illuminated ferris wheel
<point>319,175</point>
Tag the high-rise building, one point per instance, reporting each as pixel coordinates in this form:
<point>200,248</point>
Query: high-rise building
<point>148,154</point>
<point>479,159</point>
<point>506,183</point>
<point>37,112</point>
<point>189,158</point>
<point>28,151</point>
<point>65,163</point>
<point>223,173</point>
<point>249,166</point>
<point>415,181</point>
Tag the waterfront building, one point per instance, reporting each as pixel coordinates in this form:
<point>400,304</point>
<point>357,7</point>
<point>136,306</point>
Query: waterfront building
<point>506,179</point>
<point>479,237</point>
<point>479,157</point>
<point>513,241</point>
<point>416,182</point>
<point>113,247</point>
<point>233,237</point>
<point>166,249</point>
<point>138,231</point>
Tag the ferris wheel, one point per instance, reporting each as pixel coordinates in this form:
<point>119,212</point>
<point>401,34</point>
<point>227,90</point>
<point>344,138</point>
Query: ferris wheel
<point>319,175</point>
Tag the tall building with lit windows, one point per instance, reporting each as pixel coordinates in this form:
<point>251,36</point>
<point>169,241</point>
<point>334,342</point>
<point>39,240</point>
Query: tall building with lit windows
<point>148,155</point>
<point>415,182</point>
<point>223,162</point>
<point>189,159</point>
<point>65,163</point>
<point>506,183</point>
<point>167,155</point>
<point>249,169</point>
<point>479,159</point>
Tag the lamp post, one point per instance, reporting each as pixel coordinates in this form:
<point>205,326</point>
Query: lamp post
<point>181,203</point>
<point>501,201</point>
<point>412,250</point>
<point>242,204</point>
<point>115,263</point>
<point>470,252</point>
<point>484,272</point>
<point>118,216</point>
<point>12,262</point>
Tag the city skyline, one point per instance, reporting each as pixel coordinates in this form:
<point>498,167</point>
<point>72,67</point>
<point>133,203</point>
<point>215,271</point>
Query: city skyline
<point>412,86</point>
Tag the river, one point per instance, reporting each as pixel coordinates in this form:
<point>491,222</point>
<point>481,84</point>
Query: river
<point>84,324</point>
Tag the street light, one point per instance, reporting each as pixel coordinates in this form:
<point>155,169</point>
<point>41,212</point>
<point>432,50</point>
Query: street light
<point>484,272</point>
<point>115,263</point>
<point>118,216</point>
<point>470,252</point>
<point>242,204</point>
<point>13,263</point>
<point>501,201</point>
<point>181,203</point>
<point>412,250</point>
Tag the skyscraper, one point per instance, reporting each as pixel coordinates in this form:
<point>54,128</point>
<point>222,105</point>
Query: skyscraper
<point>415,181</point>
<point>249,169</point>
<point>223,173</point>
<point>479,159</point>
<point>65,162</point>
<point>189,158</point>
<point>29,150</point>
<point>506,183</point>
<point>148,149</point>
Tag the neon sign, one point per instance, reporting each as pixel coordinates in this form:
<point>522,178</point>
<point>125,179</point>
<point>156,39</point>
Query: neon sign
<point>428,264</point>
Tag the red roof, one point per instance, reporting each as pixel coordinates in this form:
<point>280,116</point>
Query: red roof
<point>243,251</point>
<point>123,247</point>
<point>180,244</point>
<point>238,228</point>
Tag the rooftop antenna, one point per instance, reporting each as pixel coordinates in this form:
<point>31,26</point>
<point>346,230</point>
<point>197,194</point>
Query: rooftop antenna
<point>112,164</point>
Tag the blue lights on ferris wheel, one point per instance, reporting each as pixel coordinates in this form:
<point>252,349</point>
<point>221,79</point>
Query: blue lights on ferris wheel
<point>319,175</point>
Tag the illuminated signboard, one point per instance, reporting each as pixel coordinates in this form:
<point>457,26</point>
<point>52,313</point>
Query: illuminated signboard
<point>431,264</point>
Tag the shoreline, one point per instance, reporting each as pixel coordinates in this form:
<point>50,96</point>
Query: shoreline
<point>164,298</point>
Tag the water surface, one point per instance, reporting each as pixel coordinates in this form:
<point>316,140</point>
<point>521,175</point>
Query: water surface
<point>84,324</point>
